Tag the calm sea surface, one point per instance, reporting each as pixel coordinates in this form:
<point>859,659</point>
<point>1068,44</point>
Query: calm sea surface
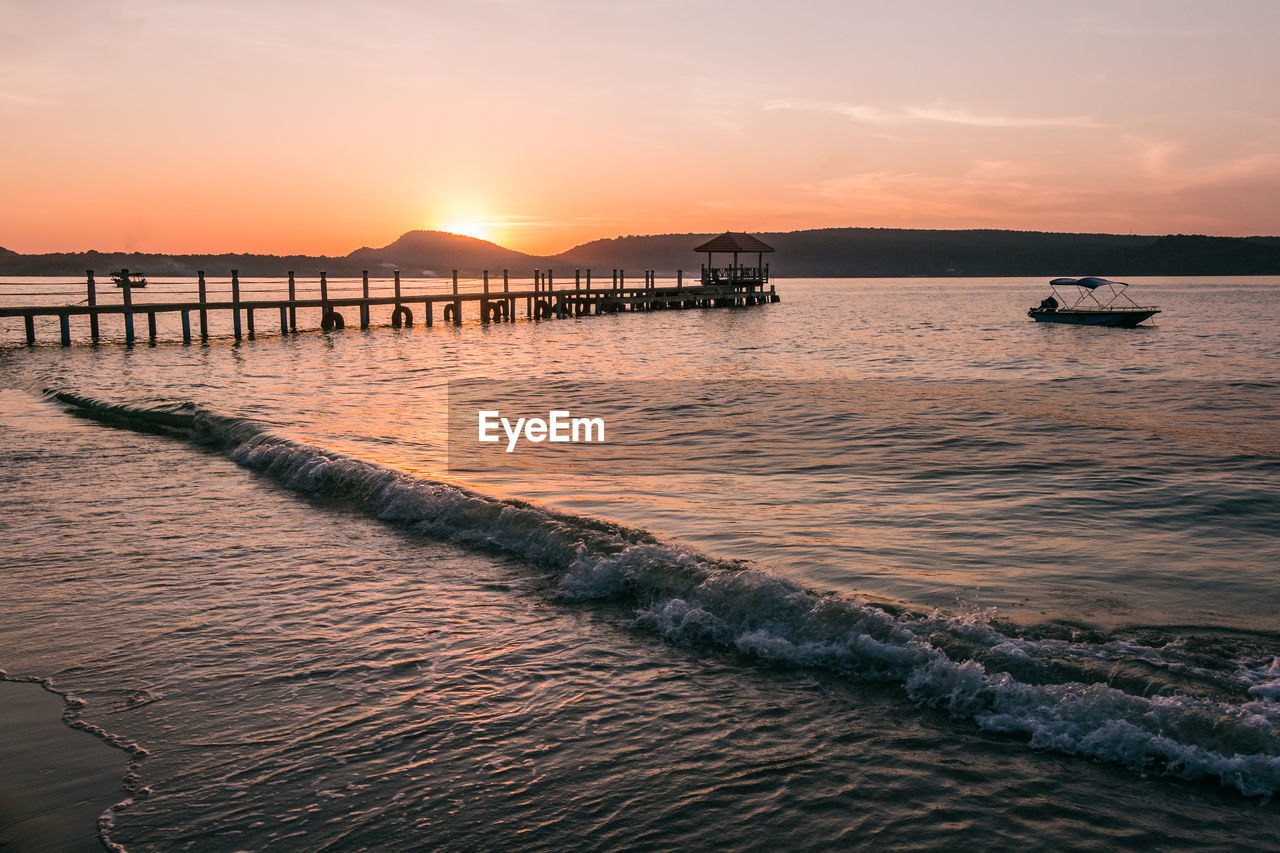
<point>884,565</point>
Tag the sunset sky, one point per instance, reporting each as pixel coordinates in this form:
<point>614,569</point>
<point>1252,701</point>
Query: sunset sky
<point>319,127</point>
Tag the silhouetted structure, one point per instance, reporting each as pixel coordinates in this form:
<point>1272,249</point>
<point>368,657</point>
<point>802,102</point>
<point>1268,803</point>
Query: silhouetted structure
<point>542,301</point>
<point>733,243</point>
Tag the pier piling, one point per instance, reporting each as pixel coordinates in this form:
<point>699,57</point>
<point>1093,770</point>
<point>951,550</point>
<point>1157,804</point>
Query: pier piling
<point>235,301</point>
<point>204,313</point>
<point>364,308</point>
<point>93,301</point>
<point>128,308</point>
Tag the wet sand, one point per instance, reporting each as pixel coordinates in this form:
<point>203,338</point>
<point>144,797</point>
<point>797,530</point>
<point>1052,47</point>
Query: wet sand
<point>54,781</point>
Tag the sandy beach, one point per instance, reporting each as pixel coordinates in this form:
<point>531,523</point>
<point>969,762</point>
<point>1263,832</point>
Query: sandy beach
<point>54,781</point>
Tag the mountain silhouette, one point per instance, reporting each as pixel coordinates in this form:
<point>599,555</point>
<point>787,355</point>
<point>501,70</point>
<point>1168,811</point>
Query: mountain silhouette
<point>825,252</point>
<point>436,253</point>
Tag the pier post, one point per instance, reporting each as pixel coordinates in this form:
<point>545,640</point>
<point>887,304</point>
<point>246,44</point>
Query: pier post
<point>364,309</point>
<point>293,309</point>
<point>484,303</point>
<point>511,303</point>
<point>204,314</point>
<point>29,320</point>
<point>64,325</point>
<point>128,307</point>
<point>93,301</point>
<point>248,316</point>
<point>284,320</point>
<point>186,326</point>
<point>235,303</point>
<point>427,308</point>
<point>457,304</point>
<point>151,327</point>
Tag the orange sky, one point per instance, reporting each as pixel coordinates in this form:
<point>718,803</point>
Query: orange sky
<point>319,127</point>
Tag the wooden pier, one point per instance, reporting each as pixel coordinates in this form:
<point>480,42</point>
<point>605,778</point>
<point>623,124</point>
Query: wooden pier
<point>498,301</point>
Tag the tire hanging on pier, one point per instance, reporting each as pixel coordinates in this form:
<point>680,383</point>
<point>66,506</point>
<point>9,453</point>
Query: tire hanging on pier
<point>332,321</point>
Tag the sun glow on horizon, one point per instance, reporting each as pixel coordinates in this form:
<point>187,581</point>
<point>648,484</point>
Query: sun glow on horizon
<point>471,228</point>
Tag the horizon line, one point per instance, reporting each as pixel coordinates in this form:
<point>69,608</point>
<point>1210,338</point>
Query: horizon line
<point>467,237</point>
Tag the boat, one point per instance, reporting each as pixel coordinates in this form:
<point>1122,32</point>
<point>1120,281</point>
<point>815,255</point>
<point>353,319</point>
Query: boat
<point>1097,302</point>
<point>123,279</point>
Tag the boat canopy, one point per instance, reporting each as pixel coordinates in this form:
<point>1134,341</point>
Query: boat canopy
<point>1089,282</point>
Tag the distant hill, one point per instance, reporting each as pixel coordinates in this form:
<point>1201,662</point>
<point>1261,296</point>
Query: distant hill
<point>827,252</point>
<point>414,253</point>
<point>434,253</point>
<point>835,252</point>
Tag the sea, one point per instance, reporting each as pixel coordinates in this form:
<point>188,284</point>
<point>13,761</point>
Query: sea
<point>884,565</point>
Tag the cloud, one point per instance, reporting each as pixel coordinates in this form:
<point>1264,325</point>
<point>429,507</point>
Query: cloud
<point>936,113</point>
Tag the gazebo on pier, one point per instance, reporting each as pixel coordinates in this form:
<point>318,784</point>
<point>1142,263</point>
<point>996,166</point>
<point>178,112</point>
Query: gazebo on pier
<point>734,243</point>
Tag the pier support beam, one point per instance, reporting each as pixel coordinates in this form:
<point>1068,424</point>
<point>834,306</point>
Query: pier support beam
<point>364,309</point>
<point>64,326</point>
<point>235,303</point>
<point>128,308</point>
<point>93,301</point>
<point>204,313</point>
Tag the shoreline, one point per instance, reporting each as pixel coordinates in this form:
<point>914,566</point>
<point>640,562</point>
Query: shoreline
<point>55,781</point>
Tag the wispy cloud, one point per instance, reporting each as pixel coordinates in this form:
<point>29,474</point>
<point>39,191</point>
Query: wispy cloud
<point>936,113</point>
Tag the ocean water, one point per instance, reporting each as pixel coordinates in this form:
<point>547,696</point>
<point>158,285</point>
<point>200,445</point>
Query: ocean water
<point>883,565</point>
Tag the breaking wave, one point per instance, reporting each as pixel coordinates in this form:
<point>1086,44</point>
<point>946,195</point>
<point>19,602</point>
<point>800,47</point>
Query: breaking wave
<point>1172,703</point>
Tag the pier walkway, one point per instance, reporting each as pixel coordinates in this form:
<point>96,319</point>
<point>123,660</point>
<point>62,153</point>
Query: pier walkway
<point>497,301</point>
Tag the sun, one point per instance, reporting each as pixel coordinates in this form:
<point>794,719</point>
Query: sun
<point>469,228</point>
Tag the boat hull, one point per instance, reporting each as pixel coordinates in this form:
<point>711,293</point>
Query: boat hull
<point>1115,319</point>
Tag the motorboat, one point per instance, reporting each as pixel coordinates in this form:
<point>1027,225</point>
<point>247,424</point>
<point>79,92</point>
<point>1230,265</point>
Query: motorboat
<point>124,279</point>
<point>1094,302</point>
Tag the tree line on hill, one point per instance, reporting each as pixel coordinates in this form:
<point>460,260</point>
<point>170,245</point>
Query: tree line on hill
<point>827,252</point>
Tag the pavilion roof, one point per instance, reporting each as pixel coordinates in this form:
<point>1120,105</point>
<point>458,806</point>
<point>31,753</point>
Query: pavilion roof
<point>732,241</point>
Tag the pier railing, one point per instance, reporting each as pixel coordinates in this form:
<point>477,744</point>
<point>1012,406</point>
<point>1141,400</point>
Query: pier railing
<point>489,299</point>
<point>754,276</point>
